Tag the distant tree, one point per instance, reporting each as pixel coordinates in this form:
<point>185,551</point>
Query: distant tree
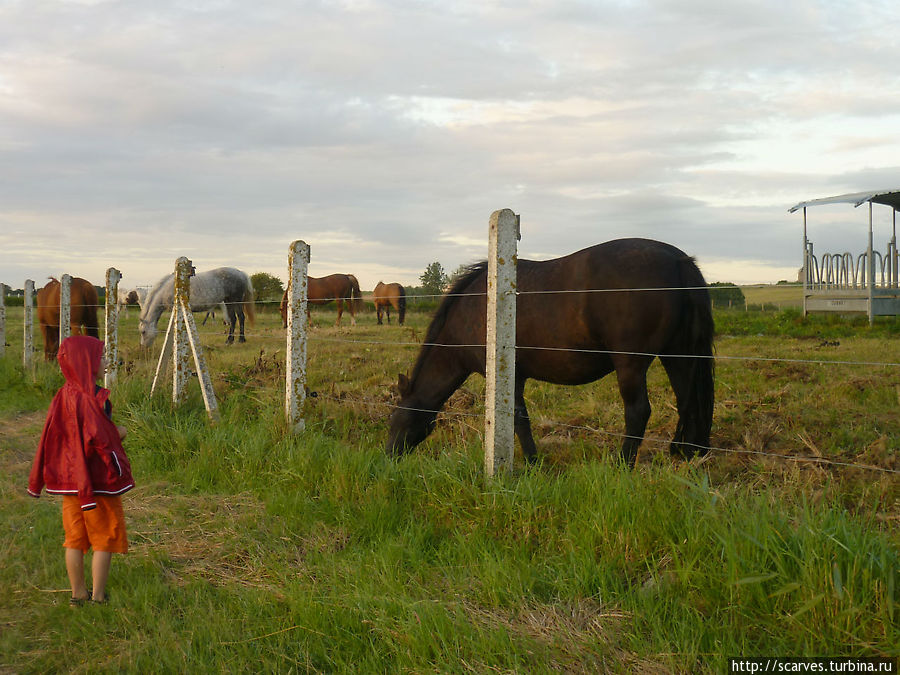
<point>726,294</point>
<point>434,279</point>
<point>266,288</point>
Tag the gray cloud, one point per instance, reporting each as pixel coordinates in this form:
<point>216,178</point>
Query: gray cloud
<point>385,133</point>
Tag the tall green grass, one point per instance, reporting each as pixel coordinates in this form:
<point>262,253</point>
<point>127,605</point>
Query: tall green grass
<point>253,550</point>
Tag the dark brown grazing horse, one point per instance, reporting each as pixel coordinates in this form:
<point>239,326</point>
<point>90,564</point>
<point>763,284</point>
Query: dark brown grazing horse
<point>612,307</point>
<point>83,301</point>
<point>322,290</point>
<point>387,296</point>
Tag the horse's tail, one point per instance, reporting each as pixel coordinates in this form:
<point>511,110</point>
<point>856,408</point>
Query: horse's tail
<point>86,295</point>
<point>283,307</point>
<point>249,304</point>
<point>356,301</point>
<point>695,410</point>
<point>401,302</point>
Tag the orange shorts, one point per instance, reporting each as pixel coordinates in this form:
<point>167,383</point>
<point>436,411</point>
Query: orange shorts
<point>102,528</point>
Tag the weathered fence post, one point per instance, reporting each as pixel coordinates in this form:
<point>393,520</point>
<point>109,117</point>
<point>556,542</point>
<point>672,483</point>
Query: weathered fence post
<point>111,336</point>
<point>209,396</point>
<point>184,270</point>
<point>27,329</point>
<point>295,368</point>
<point>65,307</point>
<point>182,331</point>
<point>499,441</point>
<point>2,319</point>
<point>165,353</point>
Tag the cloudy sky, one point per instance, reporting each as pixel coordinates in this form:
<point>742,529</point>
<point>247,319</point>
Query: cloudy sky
<point>385,133</point>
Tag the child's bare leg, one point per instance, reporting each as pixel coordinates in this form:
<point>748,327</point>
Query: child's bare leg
<point>100,573</point>
<point>75,568</point>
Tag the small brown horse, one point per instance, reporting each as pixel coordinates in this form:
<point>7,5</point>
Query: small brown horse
<point>387,296</point>
<point>83,301</point>
<point>322,290</point>
<point>613,307</point>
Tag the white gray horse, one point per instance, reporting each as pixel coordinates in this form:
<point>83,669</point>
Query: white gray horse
<point>225,285</point>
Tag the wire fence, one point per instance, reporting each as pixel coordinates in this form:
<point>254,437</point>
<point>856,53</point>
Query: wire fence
<point>593,430</point>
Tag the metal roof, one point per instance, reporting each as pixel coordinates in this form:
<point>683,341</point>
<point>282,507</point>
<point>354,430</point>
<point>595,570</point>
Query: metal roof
<point>887,197</point>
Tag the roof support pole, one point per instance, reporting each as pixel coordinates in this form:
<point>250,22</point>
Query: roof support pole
<point>805,262</point>
<point>893,258</point>
<point>870,272</point>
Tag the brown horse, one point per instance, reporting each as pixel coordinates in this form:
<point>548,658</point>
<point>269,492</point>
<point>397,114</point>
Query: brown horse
<point>322,290</point>
<point>611,307</point>
<point>387,296</point>
<point>84,302</point>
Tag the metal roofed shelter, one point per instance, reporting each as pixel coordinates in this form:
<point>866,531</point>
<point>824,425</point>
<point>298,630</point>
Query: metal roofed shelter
<point>840,282</point>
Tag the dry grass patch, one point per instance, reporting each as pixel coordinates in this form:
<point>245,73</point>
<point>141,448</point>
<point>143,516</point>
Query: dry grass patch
<point>570,631</point>
<point>204,536</point>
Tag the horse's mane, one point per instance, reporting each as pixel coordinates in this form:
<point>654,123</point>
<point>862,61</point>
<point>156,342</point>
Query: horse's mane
<point>448,302</point>
<point>152,300</point>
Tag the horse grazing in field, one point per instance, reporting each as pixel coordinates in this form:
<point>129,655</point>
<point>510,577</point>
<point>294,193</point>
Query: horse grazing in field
<point>225,285</point>
<point>322,290</point>
<point>610,307</point>
<point>83,300</point>
<point>130,298</point>
<point>387,296</point>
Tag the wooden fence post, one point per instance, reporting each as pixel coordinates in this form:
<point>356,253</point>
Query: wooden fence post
<point>111,335</point>
<point>499,440</point>
<point>28,324</point>
<point>65,307</point>
<point>295,368</point>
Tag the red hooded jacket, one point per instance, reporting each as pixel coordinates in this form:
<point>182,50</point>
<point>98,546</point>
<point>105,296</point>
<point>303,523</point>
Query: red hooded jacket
<point>80,452</point>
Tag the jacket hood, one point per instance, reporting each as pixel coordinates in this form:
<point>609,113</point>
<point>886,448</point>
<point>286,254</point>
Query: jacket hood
<point>79,360</point>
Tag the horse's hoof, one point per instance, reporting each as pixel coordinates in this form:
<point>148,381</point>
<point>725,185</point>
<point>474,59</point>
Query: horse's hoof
<point>229,341</point>
<point>242,339</point>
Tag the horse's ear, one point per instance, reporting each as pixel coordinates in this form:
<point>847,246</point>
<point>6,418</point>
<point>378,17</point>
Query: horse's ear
<point>403,384</point>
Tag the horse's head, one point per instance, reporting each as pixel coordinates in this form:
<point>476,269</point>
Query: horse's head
<point>148,332</point>
<point>409,425</point>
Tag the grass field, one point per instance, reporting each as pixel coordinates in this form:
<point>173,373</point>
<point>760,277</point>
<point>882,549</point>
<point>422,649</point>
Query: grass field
<point>252,550</point>
<point>782,297</point>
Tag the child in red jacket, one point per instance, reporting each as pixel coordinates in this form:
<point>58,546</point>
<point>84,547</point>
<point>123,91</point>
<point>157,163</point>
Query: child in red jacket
<point>80,456</point>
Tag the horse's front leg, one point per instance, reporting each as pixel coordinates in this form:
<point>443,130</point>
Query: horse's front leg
<point>340,307</point>
<point>379,312</point>
<point>522,424</point>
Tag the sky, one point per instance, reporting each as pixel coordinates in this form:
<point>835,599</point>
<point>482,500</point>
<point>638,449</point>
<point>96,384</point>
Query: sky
<point>384,134</point>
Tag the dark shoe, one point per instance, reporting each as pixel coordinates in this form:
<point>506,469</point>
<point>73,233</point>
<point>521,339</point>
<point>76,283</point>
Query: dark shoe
<point>78,602</point>
<point>104,601</point>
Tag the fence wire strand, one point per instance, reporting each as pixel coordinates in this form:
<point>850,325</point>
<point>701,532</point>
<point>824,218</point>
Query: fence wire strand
<point>646,438</point>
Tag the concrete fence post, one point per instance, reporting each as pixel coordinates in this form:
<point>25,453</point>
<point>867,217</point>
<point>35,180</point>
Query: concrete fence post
<point>111,334</point>
<point>182,297</point>
<point>65,307</point>
<point>28,324</point>
<point>2,319</point>
<point>499,441</point>
<point>295,368</point>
